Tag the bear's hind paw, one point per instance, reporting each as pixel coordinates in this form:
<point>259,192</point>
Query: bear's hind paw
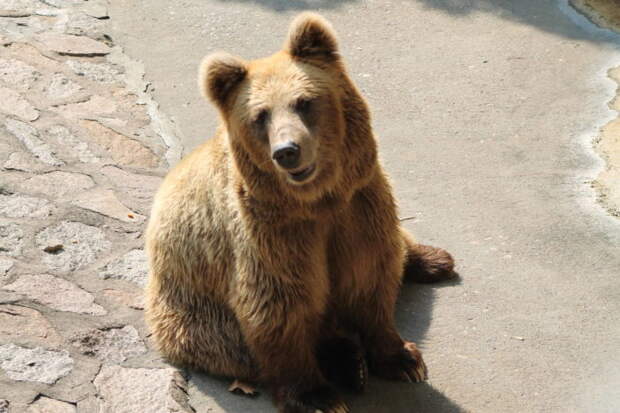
<point>323,399</point>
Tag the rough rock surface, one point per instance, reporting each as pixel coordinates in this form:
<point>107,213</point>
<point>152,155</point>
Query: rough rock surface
<point>15,206</point>
<point>12,103</point>
<point>131,267</point>
<point>31,139</point>
<point>56,293</point>
<point>105,202</point>
<point>124,150</point>
<point>19,324</point>
<point>47,405</point>
<point>38,364</point>
<point>155,391</point>
<point>112,346</point>
<point>96,106</point>
<point>11,239</point>
<point>5,266</point>
<point>98,72</point>
<point>58,184</point>
<point>81,245</point>
<point>77,148</point>
<point>133,300</point>
<point>141,186</point>
<point>74,45</point>
<point>62,87</point>
<point>17,73</point>
<point>22,161</point>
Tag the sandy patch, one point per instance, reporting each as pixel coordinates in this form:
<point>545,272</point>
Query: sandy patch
<point>606,13</point>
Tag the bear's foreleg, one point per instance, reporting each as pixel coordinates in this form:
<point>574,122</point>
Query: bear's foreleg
<point>343,360</point>
<point>389,356</point>
<point>280,317</point>
<point>368,253</point>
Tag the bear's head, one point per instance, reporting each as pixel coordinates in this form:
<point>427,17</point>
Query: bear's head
<point>295,123</point>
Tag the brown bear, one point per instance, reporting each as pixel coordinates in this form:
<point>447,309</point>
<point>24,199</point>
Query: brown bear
<point>275,249</point>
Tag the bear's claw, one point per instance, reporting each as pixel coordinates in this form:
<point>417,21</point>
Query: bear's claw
<point>406,365</point>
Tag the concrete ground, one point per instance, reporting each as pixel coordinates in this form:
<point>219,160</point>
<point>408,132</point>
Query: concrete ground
<point>485,111</point>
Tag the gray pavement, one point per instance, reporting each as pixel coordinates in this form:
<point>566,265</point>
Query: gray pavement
<point>484,112</point>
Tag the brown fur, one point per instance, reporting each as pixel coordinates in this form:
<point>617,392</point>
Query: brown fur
<point>252,275</point>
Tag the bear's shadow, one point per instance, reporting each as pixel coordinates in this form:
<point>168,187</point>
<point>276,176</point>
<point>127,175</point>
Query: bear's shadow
<point>413,317</point>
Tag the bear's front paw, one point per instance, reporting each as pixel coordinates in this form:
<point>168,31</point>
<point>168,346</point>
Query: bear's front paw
<point>343,362</point>
<point>322,399</point>
<point>406,365</point>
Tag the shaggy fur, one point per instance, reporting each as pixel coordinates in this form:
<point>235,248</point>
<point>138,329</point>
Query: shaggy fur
<point>288,284</point>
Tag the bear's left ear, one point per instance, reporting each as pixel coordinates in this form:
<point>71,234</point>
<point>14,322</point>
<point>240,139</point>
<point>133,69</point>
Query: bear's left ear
<point>220,74</point>
<point>312,37</point>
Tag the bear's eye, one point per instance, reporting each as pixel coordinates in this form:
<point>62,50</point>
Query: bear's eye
<point>261,118</point>
<point>303,105</point>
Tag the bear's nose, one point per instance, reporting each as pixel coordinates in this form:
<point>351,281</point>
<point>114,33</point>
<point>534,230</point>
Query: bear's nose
<point>286,155</point>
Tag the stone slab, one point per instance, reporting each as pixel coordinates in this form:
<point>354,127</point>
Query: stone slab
<point>19,206</point>
<point>75,146</point>
<point>14,104</point>
<point>19,324</point>
<point>133,300</point>
<point>5,266</point>
<point>17,74</point>
<point>30,138</point>
<point>153,390</point>
<point>73,45</point>
<point>132,267</point>
<point>58,184</point>
<point>47,405</point>
<point>81,245</point>
<point>97,72</point>
<point>122,149</point>
<point>38,364</point>
<point>11,239</point>
<point>56,293</point>
<point>105,202</point>
<point>61,87</point>
<point>112,346</point>
<point>25,162</point>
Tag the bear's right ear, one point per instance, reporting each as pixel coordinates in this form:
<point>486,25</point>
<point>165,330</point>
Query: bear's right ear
<point>220,73</point>
<point>310,36</point>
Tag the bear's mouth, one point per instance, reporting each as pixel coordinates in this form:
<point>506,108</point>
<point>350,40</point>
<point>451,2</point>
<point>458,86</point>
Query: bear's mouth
<point>303,174</point>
